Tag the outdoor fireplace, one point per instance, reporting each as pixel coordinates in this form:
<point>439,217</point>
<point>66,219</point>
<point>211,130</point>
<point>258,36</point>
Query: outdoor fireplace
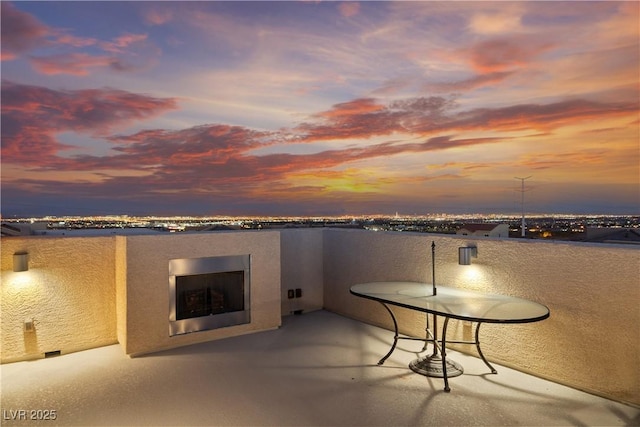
<point>208,293</point>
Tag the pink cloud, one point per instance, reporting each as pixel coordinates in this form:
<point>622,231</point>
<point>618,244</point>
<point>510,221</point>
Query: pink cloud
<point>33,115</point>
<point>80,64</point>
<point>474,82</point>
<point>77,64</point>
<point>68,39</point>
<point>219,159</point>
<point>349,9</point>
<point>366,118</point>
<point>21,32</point>
<point>216,154</point>
<point>158,17</point>
<point>120,43</point>
<point>204,145</point>
<point>352,108</point>
<point>543,117</point>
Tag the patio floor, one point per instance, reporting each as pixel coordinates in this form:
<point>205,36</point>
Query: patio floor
<point>318,369</point>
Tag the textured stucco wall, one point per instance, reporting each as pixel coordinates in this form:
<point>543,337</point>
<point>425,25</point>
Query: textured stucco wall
<point>85,292</point>
<point>147,285</point>
<point>590,341</point>
<point>69,290</point>
<point>121,288</point>
<point>301,266</point>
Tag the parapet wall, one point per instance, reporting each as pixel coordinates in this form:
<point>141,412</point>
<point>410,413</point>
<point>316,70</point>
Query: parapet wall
<point>86,292</point>
<point>590,341</point>
<point>68,291</point>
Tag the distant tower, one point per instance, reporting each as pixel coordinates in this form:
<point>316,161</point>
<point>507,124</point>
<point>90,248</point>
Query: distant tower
<point>522,190</point>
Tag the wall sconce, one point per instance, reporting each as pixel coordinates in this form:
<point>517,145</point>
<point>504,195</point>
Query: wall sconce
<point>466,253</point>
<point>20,261</point>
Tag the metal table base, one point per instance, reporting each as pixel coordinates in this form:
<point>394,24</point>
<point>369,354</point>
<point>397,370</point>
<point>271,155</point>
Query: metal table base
<point>435,365</point>
<point>432,366</point>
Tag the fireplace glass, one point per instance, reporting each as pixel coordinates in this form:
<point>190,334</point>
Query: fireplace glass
<point>208,293</point>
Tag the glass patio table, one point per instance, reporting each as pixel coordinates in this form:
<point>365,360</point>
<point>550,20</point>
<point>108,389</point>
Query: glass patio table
<point>450,303</point>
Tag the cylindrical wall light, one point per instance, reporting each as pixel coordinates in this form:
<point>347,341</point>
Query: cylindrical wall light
<point>20,261</point>
<point>466,253</point>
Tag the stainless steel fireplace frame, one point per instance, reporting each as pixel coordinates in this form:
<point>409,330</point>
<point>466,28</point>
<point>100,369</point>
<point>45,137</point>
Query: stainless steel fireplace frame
<point>218,264</point>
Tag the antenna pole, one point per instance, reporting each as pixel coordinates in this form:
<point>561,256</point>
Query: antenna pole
<point>522,190</point>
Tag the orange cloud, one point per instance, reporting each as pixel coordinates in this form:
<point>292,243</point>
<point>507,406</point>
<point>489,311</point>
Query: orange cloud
<point>352,108</point>
<point>541,116</point>
<point>218,159</point>
<point>366,118</point>
<point>503,54</point>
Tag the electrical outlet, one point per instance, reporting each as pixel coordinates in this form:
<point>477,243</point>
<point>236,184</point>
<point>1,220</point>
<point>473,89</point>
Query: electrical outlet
<point>290,294</point>
<point>298,293</point>
<point>29,325</point>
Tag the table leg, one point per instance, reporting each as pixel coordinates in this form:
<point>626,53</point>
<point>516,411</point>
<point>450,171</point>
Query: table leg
<point>444,355</point>
<point>493,371</point>
<point>427,331</point>
<point>395,336</point>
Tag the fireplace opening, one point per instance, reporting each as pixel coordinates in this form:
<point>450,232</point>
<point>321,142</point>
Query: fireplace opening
<point>208,293</point>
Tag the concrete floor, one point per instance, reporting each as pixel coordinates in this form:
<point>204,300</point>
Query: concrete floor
<point>319,369</point>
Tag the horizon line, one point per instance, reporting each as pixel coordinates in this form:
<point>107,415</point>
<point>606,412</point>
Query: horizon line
<point>318,216</point>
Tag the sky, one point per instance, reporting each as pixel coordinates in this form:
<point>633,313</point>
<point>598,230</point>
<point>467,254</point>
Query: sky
<point>319,108</point>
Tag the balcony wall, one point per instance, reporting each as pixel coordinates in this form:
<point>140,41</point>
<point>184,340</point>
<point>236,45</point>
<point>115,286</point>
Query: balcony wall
<point>302,268</point>
<point>78,290</point>
<point>590,341</point>
<point>69,291</point>
<point>87,292</point>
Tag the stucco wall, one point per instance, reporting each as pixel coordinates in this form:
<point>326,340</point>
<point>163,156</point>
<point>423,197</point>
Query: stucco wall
<point>146,318</point>
<point>86,292</point>
<point>590,341</point>
<point>69,290</point>
<point>301,266</point>
<point>121,287</point>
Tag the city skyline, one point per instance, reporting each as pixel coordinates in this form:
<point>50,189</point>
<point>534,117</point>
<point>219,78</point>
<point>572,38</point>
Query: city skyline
<point>319,108</point>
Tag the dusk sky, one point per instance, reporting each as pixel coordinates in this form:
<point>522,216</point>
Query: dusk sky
<point>319,108</point>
